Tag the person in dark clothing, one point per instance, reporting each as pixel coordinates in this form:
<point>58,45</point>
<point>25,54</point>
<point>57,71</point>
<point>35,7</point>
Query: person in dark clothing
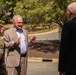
<point>67,54</point>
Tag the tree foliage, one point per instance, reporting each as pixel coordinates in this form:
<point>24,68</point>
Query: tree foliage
<point>59,11</point>
<point>35,11</point>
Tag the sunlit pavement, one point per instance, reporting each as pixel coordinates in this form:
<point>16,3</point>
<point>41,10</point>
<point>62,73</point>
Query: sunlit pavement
<point>42,68</point>
<point>36,66</point>
<point>52,35</point>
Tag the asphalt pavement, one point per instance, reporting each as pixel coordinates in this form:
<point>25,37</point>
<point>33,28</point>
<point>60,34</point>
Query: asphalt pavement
<point>42,68</point>
<point>36,65</point>
<point>52,35</point>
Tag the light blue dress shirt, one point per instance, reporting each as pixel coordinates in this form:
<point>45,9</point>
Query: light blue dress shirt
<point>22,41</point>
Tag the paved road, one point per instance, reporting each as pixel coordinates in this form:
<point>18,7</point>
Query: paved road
<point>42,68</point>
<point>52,35</point>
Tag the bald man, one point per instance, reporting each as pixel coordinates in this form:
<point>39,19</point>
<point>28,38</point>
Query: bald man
<point>67,55</point>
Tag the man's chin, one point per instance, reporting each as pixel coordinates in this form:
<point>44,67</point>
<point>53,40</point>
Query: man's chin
<point>20,28</point>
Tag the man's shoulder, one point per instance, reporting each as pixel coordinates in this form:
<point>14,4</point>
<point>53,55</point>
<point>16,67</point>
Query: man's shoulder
<point>1,37</point>
<point>68,23</point>
<point>9,30</point>
<point>1,43</point>
<point>72,21</point>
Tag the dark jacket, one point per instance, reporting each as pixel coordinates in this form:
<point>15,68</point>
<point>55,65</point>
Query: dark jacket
<point>67,55</point>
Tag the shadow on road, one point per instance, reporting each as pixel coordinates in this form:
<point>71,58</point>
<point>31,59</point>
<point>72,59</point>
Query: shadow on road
<point>46,46</point>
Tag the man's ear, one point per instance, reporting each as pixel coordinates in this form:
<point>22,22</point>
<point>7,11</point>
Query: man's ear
<point>70,14</point>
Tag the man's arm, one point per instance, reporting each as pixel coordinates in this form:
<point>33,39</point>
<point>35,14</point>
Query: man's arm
<point>7,42</point>
<point>1,47</point>
<point>1,53</point>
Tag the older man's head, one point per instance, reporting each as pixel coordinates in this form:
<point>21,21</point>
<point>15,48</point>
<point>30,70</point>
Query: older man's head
<point>71,10</point>
<point>18,21</point>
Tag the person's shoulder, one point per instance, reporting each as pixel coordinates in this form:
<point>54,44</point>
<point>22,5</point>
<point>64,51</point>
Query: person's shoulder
<point>68,23</point>
<point>8,30</point>
<point>72,21</point>
<point>1,43</point>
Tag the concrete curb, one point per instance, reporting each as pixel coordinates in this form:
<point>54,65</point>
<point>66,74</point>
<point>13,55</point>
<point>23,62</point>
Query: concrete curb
<point>34,59</point>
<point>55,59</point>
<point>39,59</point>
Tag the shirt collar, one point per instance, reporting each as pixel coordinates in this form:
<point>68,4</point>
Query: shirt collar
<point>18,30</point>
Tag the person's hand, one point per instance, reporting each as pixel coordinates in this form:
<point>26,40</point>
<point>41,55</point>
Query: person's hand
<point>0,56</point>
<point>33,39</point>
<point>61,73</point>
<point>17,41</point>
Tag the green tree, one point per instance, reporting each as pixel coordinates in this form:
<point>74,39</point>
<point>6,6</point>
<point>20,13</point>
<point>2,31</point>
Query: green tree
<point>6,7</point>
<point>59,11</point>
<point>34,11</point>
